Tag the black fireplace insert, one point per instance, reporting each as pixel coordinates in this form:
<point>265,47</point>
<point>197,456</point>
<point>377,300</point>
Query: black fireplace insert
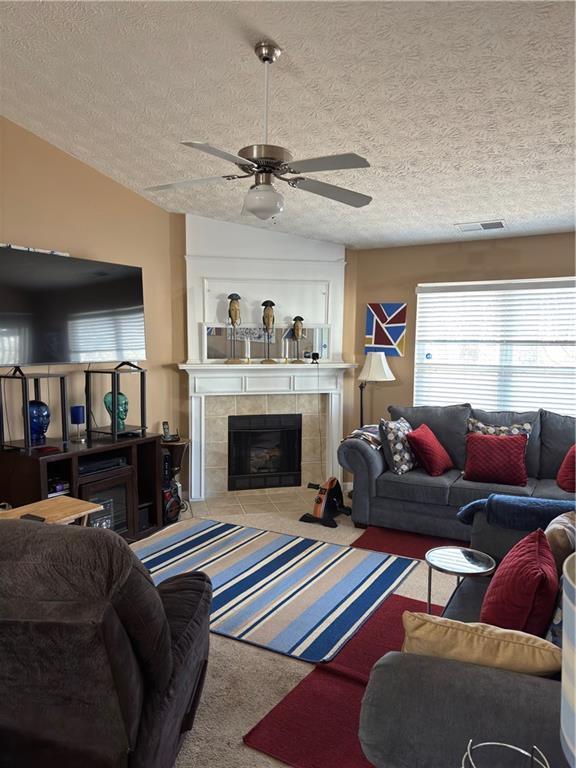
<point>264,451</point>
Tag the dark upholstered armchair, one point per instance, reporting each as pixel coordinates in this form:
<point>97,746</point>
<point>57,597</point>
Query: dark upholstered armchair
<point>98,667</point>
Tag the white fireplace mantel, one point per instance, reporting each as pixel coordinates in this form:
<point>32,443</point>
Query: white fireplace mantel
<point>209,379</point>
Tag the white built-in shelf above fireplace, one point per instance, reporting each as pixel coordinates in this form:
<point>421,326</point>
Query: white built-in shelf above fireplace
<point>255,378</point>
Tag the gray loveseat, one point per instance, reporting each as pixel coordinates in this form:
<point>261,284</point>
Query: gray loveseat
<point>418,502</point>
<point>421,711</point>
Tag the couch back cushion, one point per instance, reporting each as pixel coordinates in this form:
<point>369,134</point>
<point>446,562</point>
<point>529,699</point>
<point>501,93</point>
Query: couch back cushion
<point>448,422</point>
<point>506,419</point>
<point>557,436</point>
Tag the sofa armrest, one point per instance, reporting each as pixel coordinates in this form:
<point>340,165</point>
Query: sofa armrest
<point>366,464</point>
<point>422,711</point>
<point>493,539</point>
<point>187,599</point>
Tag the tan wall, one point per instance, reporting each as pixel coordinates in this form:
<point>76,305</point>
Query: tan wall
<point>50,200</point>
<point>391,274</point>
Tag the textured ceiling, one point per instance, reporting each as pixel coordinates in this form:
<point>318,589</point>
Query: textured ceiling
<point>464,109</point>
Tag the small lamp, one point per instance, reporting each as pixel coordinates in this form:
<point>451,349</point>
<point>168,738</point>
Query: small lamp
<point>375,368</point>
<point>78,416</point>
<point>568,703</point>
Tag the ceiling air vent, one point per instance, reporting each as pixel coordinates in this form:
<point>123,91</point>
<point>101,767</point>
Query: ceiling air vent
<point>479,226</point>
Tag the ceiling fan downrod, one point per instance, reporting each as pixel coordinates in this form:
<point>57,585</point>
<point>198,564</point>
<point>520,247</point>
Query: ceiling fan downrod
<point>267,53</point>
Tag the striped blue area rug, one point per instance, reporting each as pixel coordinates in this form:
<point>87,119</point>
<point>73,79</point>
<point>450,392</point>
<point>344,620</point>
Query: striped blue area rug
<point>296,596</point>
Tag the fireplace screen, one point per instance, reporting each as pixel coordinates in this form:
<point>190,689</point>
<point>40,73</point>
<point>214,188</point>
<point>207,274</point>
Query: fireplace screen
<point>264,451</point>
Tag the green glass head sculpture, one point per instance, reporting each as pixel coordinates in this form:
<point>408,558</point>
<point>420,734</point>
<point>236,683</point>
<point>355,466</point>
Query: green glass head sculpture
<point>121,411</point>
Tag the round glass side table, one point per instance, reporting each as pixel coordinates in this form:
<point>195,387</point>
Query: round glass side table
<point>458,561</point>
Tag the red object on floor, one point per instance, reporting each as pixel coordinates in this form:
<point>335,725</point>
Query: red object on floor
<point>403,543</point>
<point>316,724</point>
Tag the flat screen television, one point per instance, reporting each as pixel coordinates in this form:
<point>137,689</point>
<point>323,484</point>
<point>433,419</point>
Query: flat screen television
<point>58,309</point>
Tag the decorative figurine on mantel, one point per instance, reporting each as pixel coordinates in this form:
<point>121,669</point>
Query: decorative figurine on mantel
<point>298,335</point>
<point>121,411</point>
<point>234,315</point>
<point>268,322</point>
<point>39,421</point>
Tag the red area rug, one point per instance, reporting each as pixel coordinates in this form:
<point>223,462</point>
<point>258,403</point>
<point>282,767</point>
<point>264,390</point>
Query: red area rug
<point>403,543</point>
<point>316,724</point>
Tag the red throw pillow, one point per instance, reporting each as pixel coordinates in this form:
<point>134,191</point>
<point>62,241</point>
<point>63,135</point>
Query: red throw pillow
<point>566,477</point>
<point>523,591</point>
<point>496,459</point>
<point>429,450</point>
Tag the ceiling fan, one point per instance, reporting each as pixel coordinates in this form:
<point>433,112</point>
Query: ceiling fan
<point>266,163</point>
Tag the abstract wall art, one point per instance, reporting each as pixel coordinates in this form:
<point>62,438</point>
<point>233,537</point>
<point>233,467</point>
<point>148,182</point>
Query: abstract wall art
<point>386,328</point>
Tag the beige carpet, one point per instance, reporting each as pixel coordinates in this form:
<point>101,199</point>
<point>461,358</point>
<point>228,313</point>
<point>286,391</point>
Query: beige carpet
<point>244,682</point>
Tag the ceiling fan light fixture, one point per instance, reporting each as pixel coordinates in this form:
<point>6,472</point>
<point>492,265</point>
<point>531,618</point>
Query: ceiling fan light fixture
<point>264,201</point>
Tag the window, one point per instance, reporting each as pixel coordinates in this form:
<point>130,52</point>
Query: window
<point>509,346</point>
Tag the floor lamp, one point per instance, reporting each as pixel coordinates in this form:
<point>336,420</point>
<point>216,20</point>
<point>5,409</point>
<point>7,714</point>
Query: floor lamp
<point>375,368</point>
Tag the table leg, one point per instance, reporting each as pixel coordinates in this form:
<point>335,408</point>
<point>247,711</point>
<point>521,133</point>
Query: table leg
<point>84,521</point>
<point>429,589</point>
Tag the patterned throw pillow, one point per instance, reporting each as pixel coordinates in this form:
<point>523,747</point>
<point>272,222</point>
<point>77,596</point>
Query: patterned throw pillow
<point>474,425</point>
<point>396,447</point>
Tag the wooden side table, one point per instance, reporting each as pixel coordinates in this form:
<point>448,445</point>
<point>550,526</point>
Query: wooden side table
<point>60,510</point>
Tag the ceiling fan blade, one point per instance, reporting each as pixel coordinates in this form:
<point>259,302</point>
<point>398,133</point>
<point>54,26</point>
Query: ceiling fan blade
<point>329,163</point>
<point>339,194</point>
<point>189,183</point>
<point>209,149</point>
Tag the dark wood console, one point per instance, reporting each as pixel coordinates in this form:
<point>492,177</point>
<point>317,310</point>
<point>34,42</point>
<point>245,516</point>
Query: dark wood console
<point>124,476</point>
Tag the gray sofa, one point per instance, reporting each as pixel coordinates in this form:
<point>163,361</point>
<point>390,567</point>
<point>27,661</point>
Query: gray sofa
<point>422,711</point>
<point>418,502</point>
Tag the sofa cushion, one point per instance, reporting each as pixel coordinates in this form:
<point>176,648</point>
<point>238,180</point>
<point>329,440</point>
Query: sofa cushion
<point>506,419</point>
<point>464,491</point>
<point>416,485</point>
<point>483,644</point>
<point>557,436</point>
<point>496,459</point>
<point>429,451</point>
<point>566,478</point>
<point>522,592</point>
<point>449,423</point>
<point>548,489</point>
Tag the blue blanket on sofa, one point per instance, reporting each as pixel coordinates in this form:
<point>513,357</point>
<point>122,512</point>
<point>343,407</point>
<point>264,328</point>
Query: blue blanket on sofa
<point>522,513</point>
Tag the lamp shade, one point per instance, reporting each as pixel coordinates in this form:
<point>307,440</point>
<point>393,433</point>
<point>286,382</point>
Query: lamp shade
<point>568,706</point>
<point>264,201</point>
<point>77,414</point>
<point>376,368</point>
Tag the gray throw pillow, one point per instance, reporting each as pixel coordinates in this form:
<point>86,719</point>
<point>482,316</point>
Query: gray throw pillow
<point>448,422</point>
<point>395,445</point>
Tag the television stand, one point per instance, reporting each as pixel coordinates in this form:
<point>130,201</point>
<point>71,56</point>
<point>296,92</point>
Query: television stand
<point>123,476</point>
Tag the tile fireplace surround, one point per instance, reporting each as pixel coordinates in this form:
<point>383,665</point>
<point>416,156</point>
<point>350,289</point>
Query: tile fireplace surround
<point>217,391</point>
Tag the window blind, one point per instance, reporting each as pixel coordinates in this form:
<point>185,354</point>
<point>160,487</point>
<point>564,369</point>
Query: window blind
<point>509,346</point>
